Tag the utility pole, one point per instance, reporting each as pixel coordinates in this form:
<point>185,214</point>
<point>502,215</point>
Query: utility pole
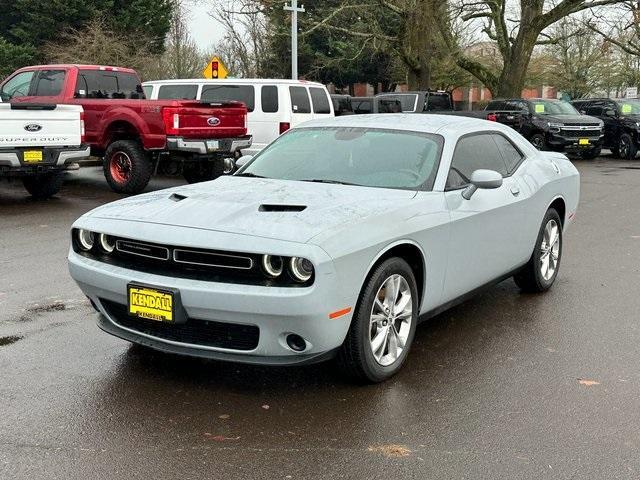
<point>294,9</point>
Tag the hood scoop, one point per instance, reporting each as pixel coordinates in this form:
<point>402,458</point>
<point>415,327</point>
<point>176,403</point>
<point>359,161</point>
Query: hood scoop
<point>176,197</point>
<point>281,208</point>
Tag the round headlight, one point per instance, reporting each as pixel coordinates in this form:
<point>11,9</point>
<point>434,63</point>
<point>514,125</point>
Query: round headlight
<point>85,239</point>
<point>301,269</point>
<point>272,265</point>
<point>107,242</point>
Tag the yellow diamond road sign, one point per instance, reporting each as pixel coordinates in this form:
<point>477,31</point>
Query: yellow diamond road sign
<point>215,70</point>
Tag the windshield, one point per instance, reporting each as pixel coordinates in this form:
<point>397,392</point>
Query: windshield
<point>630,107</point>
<point>407,101</point>
<point>356,156</point>
<point>550,107</point>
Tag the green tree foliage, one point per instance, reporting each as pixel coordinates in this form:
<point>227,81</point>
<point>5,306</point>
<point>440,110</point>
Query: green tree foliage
<point>13,57</point>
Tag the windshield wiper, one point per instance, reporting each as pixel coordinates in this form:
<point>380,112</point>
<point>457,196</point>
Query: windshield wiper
<point>335,182</point>
<point>248,174</point>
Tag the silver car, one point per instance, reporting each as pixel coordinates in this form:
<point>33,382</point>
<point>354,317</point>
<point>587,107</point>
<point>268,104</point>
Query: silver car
<point>335,240</point>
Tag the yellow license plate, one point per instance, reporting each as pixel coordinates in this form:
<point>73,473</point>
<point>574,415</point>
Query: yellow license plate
<point>583,141</point>
<point>151,304</point>
<point>32,156</point>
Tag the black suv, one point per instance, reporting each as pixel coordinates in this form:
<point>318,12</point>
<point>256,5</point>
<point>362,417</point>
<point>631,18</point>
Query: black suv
<point>621,119</point>
<point>550,124</point>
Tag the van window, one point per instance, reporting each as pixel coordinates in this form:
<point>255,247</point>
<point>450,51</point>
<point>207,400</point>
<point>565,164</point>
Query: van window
<point>226,93</point>
<point>107,84</point>
<point>48,83</point>
<point>270,99</point>
<point>299,100</point>
<point>319,100</point>
<point>18,86</point>
<point>178,92</point>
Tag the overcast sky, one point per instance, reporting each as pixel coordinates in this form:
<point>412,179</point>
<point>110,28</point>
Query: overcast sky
<point>204,29</point>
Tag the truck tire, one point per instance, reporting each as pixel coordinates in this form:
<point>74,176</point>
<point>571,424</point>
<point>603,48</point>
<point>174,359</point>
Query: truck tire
<point>591,153</point>
<point>538,141</point>
<point>196,172</point>
<point>126,167</point>
<point>627,148</point>
<point>43,186</point>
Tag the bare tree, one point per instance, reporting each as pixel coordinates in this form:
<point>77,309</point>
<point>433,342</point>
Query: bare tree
<point>516,32</point>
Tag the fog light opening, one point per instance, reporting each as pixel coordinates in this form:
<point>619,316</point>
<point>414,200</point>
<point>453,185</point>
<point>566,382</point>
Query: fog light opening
<point>296,342</point>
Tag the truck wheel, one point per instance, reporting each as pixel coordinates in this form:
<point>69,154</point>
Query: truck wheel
<point>538,141</point>
<point>591,153</point>
<point>626,147</point>
<point>44,186</point>
<point>203,171</point>
<point>126,167</point>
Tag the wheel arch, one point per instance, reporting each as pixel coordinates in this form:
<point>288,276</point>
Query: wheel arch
<point>119,130</point>
<point>560,206</point>
<point>413,254</point>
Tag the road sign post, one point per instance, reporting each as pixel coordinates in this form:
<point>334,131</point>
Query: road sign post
<point>294,9</point>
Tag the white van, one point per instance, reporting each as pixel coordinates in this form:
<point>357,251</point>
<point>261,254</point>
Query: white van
<point>274,105</point>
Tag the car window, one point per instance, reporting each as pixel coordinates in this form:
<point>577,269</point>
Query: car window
<point>407,100</point>
<point>148,91</point>
<point>319,100</point>
<point>472,153</point>
<point>496,105</point>
<point>437,101</point>
<point>178,92</point>
<point>510,154</point>
<point>361,156</point>
<point>17,86</point>
<point>270,99</point>
<point>389,105</point>
<point>362,105</point>
<point>225,93</point>
<point>48,83</point>
<point>108,84</point>
<point>299,100</point>
<point>593,110</point>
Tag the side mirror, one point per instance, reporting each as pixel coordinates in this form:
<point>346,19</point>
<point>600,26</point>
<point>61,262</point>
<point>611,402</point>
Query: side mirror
<point>482,179</point>
<point>242,161</point>
<point>610,113</point>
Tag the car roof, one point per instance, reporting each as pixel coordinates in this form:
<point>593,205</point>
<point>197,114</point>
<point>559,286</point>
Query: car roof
<point>247,81</point>
<point>412,122</point>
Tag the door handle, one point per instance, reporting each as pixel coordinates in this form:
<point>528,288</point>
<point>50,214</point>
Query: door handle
<point>515,191</point>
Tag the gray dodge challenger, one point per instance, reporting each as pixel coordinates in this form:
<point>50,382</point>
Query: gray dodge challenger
<point>335,240</point>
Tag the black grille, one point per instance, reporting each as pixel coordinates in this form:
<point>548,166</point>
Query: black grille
<point>232,336</point>
<point>581,133</point>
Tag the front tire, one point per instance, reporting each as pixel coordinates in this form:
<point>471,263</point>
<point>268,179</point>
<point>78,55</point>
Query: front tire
<point>126,167</point>
<point>539,274</point>
<point>538,140</point>
<point>627,148</point>
<point>383,325</point>
<point>43,186</point>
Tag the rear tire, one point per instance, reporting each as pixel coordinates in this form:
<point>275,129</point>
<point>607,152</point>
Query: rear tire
<point>196,172</point>
<point>43,186</point>
<point>126,167</point>
<point>358,356</point>
<point>534,277</point>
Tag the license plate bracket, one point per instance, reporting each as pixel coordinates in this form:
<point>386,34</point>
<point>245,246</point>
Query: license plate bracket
<point>151,302</point>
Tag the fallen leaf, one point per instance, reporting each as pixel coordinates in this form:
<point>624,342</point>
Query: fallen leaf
<point>224,416</point>
<point>391,450</point>
<point>588,383</point>
<point>220,438</point>
<point>265,407</point>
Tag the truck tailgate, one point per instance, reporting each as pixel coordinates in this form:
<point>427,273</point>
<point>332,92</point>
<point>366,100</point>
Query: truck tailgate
<point>203,120</point>
<point>25,125</point>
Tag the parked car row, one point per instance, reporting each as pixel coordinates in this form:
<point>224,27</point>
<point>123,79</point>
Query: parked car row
<point>394,102</point>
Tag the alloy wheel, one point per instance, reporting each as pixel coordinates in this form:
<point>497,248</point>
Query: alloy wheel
<point>550,250</point>
<point>624,147</point>
<point>120,167</point>
<point>391,317</point>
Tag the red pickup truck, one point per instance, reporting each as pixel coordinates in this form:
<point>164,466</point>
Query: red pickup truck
<point>137,137</point>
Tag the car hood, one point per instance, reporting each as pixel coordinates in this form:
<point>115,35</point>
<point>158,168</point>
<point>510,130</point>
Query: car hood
<point>575,119</point>
<point>269,208</point>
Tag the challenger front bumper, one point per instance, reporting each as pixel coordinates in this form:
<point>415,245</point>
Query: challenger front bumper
<point>208,146</point>
<point>276,311</point>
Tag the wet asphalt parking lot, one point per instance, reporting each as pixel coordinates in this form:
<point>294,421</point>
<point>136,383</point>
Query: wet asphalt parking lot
<point>504,386</point>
